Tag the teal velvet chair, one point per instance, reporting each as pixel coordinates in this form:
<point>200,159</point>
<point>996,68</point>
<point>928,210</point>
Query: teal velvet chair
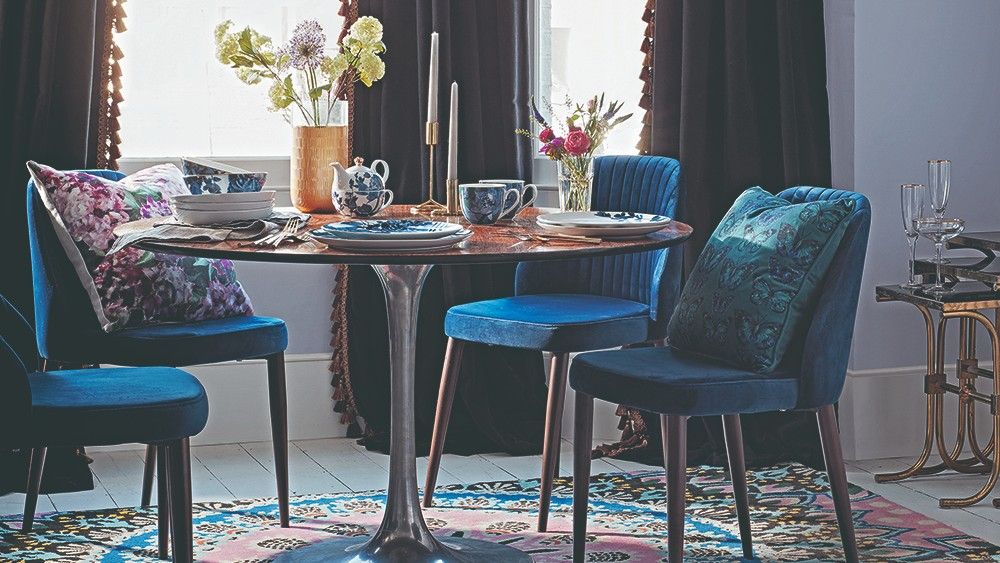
<point>68,334</point>
<point>573,306</point>
<point>159,406</point>
<point>679,385</point>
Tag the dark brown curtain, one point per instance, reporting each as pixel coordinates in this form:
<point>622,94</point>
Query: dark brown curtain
<point>58,105</point>
<point>737,91</point>
<point>500,403</point>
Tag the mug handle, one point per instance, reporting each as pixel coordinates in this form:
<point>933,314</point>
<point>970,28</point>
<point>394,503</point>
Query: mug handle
<point>385,166</point>
<point>388,199</point>
<point>514,206</point>
<point>534,195</point>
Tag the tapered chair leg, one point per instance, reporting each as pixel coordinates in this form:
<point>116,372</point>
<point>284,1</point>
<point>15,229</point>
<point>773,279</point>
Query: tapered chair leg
<point>162,500</point>
<point>558,372</point>
<point>674,430</point>
<point>583,438</point>
<point>829,434</point>
<point>36,464</point>
<point>147,476</point>
<point>279,429</point>
<point>442,415</point>
<point>179,475</point>
<point>738,471</point>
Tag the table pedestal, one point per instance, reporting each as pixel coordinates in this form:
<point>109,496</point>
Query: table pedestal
<point>403,536</point>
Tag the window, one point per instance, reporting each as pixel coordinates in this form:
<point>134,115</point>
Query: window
<point>585,47</point>
<point>180,100</point>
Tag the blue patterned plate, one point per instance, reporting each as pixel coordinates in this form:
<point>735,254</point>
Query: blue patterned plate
<point>603,219</point>
<point>389,229</point>
<point>390,245</point>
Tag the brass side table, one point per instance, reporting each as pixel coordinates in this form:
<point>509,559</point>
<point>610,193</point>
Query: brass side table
<point>966,302</point>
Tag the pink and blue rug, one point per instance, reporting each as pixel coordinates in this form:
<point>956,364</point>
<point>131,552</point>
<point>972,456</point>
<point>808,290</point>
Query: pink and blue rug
<point>793,520</point>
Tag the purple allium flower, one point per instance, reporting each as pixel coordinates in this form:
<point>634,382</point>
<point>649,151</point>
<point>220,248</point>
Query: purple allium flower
<point>305,49</point>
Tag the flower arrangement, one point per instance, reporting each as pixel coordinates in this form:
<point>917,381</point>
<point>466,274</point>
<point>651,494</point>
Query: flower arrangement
<point>320,80</point>
<point>587,126</point>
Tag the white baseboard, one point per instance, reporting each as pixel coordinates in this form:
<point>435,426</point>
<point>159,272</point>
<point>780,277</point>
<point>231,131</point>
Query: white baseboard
<point>883,413</point>
<point>238,406</point>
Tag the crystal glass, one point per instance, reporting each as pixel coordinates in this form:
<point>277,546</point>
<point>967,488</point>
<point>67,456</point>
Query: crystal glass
<point>576,181</point>
<point>939,180</point>
<point>911,199</point>
<point>939,230</point>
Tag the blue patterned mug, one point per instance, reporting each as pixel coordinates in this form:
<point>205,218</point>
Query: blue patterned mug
<point>356,203</point>
<point>522,189</point>
<point>485,204</point>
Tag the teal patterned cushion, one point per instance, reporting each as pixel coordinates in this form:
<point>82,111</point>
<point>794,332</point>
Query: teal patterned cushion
<point>757,278</point>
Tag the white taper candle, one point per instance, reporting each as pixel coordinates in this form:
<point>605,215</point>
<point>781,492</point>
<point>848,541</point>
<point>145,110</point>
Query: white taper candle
<point>453,135</point>
<point>432,81</point>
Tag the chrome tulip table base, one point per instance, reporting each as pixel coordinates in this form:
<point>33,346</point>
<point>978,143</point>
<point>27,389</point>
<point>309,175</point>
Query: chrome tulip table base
<point>403,535</point>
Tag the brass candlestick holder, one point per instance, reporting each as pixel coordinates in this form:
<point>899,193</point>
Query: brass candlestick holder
<point>430,206</point>
<point>453,207</point>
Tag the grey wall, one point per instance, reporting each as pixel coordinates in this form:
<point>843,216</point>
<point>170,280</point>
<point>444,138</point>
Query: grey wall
<point>926,84</point>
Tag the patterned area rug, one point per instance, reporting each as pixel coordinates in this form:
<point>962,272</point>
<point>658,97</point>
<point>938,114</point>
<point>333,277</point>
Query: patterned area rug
<point>793,520</point>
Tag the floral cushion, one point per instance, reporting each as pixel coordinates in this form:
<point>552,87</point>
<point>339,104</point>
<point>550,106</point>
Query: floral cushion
<point>134,287</point>
<point>754,283</point>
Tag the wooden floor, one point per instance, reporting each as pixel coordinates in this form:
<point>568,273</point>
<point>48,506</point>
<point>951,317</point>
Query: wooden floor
<point>235,471</point>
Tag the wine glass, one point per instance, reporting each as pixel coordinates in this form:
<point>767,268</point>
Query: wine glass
<point>939,180</point>
<point>911,198</point>
<point>940,231</point>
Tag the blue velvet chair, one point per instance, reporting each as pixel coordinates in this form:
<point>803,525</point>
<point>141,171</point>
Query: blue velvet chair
<point>159,406</point>
<point>574,306</point>
<point>679,385</point>
<point>68,334</point>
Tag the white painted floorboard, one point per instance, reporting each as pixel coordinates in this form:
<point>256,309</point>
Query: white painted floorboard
<point>232,471</point>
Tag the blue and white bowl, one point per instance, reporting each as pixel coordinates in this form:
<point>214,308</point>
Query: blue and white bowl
<point>204,176</point>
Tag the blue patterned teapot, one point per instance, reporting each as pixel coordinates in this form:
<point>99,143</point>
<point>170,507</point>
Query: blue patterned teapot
<point>360,178</point>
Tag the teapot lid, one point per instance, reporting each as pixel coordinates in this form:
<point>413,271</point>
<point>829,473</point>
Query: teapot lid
<point>358,161</point>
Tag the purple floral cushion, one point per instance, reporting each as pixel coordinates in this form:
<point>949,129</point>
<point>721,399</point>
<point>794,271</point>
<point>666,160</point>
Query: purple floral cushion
<point>134,287</point>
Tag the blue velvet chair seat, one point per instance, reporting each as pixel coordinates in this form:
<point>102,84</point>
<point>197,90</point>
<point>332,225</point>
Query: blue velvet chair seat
<point>114,406</point>
<point>665,380</point>
<point>554,322</point>
<point>201,342</point>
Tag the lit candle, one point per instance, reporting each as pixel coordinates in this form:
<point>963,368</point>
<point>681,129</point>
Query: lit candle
<point>453,135</point>
<point>432,81</point>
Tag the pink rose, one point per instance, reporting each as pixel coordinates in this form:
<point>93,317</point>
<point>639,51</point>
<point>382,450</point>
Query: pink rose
<point>546,135</point>
<point>577,143</point>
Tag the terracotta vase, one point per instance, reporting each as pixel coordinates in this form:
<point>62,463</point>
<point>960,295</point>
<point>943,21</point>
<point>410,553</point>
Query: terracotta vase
<point>314,149</point>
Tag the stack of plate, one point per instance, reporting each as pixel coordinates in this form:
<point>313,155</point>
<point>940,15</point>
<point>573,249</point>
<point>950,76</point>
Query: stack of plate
<point>211,209</point>
<point>391,235</point>
<point>603,224</point>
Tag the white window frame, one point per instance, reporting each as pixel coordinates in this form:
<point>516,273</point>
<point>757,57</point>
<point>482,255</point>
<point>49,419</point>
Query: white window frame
<point>278,168</point>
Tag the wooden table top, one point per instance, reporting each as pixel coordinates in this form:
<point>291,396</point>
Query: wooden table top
<point>488,244</point>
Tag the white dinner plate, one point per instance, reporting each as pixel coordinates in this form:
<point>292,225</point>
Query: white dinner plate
<point>633,231</point>
<point>390,229</point>
<point>390,245</point>
<point>231,197</point>
<point>603,219</point>
<point>218,217</point>
<point>223,206</point>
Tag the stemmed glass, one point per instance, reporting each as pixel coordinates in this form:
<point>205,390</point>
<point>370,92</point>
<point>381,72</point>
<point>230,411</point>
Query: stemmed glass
<point>940,231</point>
<point>911,198</point>
<point>939,180</point>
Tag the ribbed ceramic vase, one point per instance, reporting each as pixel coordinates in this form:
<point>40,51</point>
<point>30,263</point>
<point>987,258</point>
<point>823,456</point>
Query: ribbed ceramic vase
<point>314,148</point>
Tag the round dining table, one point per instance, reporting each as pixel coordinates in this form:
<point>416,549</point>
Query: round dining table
<point>403,535</point>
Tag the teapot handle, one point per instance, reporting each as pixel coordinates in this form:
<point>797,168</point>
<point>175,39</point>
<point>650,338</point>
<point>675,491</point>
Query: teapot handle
<point>385,166</point>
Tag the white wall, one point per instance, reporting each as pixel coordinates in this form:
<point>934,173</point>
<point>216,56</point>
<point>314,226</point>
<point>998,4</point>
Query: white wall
<point>924,83</point>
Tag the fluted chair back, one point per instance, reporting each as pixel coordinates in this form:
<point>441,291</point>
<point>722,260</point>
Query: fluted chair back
<point>824,349</point>
<point>639,184</point>
<point>65,324</point>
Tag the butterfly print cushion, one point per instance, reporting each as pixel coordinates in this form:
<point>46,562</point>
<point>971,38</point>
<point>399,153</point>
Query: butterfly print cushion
<point>756,278</point>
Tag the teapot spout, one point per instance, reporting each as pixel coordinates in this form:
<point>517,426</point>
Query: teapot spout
<point>339,168</point>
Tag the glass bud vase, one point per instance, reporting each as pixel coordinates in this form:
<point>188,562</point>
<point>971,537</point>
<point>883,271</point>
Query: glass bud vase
<point>314,148</point>
<point>576,179</point>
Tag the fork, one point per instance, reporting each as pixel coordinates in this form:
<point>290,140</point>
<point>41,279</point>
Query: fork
<point>291,227</point>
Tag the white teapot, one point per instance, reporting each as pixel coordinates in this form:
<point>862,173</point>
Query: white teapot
<point>360,178</point>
